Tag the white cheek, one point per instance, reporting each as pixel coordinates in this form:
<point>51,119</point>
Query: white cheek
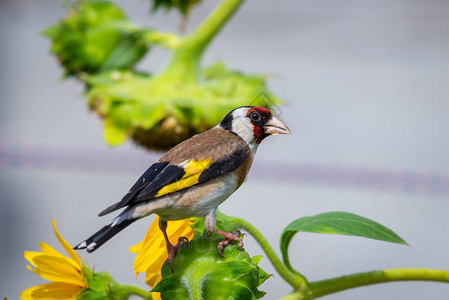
<point>244,129</point>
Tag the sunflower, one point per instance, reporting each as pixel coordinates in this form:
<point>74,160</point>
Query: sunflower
<point>151,251</point>
<point>66,273</point>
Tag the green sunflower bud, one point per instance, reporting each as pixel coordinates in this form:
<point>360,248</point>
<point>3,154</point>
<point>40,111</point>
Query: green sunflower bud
<point>95,36</point>
<point>96,42</point>
<point>200,273</point>
<point>159,113</point>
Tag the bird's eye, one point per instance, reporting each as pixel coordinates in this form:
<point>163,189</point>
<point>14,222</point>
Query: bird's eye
<point>255,116</point>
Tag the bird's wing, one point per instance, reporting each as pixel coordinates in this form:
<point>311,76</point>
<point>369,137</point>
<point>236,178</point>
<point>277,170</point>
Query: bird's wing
<point>148,176</point>
<point>199,159</point>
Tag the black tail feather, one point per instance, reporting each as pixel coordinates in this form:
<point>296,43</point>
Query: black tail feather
<point>103,235</point>
<point>111,208</point>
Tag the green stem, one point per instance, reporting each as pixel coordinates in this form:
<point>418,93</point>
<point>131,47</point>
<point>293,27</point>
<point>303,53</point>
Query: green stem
<point>296,295</point>
<point>134,290</point>
<point>185,61</point>
<point>198,40</point>
<point>297,281</point>
<point>333,285</point>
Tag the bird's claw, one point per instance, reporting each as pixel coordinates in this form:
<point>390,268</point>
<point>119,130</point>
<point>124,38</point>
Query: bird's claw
<point>171,250</point>
<point>229,236</point>
<point>183,241</point>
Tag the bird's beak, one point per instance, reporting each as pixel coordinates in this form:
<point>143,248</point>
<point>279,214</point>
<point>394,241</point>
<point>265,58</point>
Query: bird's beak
<point>274,126</point>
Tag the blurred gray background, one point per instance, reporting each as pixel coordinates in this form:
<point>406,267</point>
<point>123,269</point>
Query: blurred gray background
<point>366,85</point>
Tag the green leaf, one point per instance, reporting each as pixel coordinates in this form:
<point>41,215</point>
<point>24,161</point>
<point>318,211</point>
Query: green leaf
<point>128,51</point>
<point>343,223</point>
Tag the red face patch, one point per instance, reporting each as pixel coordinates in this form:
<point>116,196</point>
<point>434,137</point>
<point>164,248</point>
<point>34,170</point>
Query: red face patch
<point>259,109</point>
<point>259,116</point>
<point>259,135</point>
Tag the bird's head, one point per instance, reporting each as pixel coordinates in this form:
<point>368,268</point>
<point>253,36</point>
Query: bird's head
<point>253,124</point>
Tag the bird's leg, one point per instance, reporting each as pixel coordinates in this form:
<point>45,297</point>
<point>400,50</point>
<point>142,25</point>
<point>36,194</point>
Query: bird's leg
<point>209,224</point>
<point>228,236</point>
<point>171,250</point>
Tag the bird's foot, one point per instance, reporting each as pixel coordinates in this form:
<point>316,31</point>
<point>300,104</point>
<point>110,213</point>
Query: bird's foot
<point>171,250</point>
<point>228,236</point>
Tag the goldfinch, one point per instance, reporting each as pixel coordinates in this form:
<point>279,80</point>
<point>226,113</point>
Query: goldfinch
<point>194,177</point>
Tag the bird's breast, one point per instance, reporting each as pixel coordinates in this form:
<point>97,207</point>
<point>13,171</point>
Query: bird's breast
<point>200,199</point>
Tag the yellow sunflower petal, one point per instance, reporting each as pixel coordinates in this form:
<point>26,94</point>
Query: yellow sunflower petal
<point>147,249</point>
<point>156,296</point>
<point>153,278</point>
<point>180,228</point>
<point>49,250</point>
<point>66,245</point>
<point>136,248</point>
<point>151,251</point>
<point>30,255</point>
<point>153,232</point>
<point>153,269</point>
<point>146,259</point>
<point>53,290</point>
<point>176,226</point>
<point>31,269</point>
<point>57,290</point>
<point>58,269</point>
<point>26,294</point>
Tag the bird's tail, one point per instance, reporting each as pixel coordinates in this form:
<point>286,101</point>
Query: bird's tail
<point>105,233</point>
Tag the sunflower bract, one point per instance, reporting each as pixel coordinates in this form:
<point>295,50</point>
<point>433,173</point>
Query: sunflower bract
<point>200,273</point>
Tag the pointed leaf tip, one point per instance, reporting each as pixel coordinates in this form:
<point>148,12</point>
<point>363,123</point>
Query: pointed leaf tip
<point>342,223</point>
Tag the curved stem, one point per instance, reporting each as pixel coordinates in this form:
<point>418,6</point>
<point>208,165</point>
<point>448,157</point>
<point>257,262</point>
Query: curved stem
<point>134,290</point>
<point>184,64</point>
<point>333,285</point>
<point>199,39</point>
<point>297,281</point>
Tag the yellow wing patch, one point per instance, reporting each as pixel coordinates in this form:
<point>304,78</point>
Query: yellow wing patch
<point>193,170</point>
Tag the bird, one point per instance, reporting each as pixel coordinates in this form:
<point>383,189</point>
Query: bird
<point>194,177</point>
